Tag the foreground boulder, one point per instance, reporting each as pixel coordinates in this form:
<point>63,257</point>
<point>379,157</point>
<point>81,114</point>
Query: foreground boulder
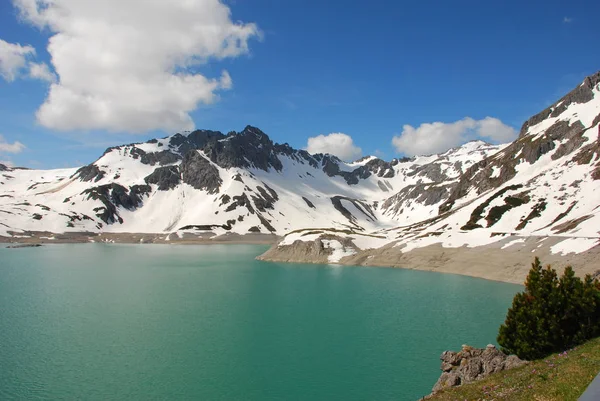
<point>472,364</point>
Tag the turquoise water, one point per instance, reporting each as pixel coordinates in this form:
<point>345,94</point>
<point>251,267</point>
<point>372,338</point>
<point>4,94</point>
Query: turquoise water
<point>152,322</point>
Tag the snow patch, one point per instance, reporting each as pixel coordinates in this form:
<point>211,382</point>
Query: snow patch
<point>338,250</point>
<point>574,245</point>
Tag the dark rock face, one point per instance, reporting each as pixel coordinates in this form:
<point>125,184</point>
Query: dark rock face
<point>266,199</point>
<point>573,136</point>
<point>380,168</point>
<point>266,223</point>
<point>165,177</point>
<point>136,153</point>
<point>247,149</point>
<point>492,216</point>
<point>3,167</point>
<point>536,212</point>
<point>114,196</point>
<point>309,203</point>
<point>250,148</point>
<point>224,199</point>
<point>472,364</point>
<point>240,201</point>
<point>162,158</point>
<point>194,141</point>
<point>432,171</point>
<point>90,172</point>
<point>200,173</point>
<point>330,166</point>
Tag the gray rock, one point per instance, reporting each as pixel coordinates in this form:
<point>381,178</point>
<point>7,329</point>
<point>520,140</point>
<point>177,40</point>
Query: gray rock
<point>24,246</point>
<point>165,177</point>
<point>200,173</point>
<point>162,158</point>
<point>240,201</point>
<point>114,196</point>
<point>472,364</point>
<point>90,172</point>
<point>249,148</point>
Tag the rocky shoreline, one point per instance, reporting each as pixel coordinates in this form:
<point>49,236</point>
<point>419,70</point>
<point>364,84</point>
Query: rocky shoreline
<point>505,260</point>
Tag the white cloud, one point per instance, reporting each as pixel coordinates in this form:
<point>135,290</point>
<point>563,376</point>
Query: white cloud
<point>42,72</point>
<point>13,59</point>
<point>567,20</point>
<point>124,65</point>
<point>15,147</point>
<point>338,144</point>
<point>438,137</point>
<point>495,130</point>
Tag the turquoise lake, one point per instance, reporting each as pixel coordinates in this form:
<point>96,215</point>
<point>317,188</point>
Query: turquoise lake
<point>160,322</point>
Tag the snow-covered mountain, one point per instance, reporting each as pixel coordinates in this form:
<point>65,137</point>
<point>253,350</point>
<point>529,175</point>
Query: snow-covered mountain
<point>546,183</point>
<point>239,182</point>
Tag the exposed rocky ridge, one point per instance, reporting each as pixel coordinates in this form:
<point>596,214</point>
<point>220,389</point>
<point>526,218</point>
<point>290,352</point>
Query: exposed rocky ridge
<point>581,94</point>
<point>3,167</point>
<point>472,364</point>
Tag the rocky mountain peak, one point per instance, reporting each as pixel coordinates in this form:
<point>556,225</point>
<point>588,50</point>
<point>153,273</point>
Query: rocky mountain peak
<point>583,93</point>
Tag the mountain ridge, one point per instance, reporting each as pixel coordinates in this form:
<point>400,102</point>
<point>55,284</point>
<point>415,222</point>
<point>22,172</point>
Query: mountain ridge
<point>545,183</point>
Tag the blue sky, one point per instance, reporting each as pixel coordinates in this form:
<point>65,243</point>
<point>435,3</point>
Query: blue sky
<point>365,69</point>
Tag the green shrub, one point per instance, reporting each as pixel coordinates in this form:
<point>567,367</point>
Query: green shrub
<point>552,314</point>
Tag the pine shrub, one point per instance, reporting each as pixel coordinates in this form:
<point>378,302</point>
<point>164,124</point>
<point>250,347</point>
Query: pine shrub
<point>552,314</point>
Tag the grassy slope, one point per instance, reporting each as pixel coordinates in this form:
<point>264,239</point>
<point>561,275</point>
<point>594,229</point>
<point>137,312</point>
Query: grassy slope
<point>560,377</point>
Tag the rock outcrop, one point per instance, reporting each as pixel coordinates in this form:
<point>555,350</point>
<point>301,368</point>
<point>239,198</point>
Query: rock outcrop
<point>200,173</point>
<point>90,172</point>
<point>165,177</point>
<point>472,364</point>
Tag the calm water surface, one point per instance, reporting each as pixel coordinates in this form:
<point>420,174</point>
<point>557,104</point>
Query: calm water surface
<point>152,322</point>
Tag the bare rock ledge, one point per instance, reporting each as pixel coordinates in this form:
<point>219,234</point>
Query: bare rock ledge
<point>472,364</point>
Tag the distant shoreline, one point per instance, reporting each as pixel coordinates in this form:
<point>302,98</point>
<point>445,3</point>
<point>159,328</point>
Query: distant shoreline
<point>492,262</point>
<point>203,238</point>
